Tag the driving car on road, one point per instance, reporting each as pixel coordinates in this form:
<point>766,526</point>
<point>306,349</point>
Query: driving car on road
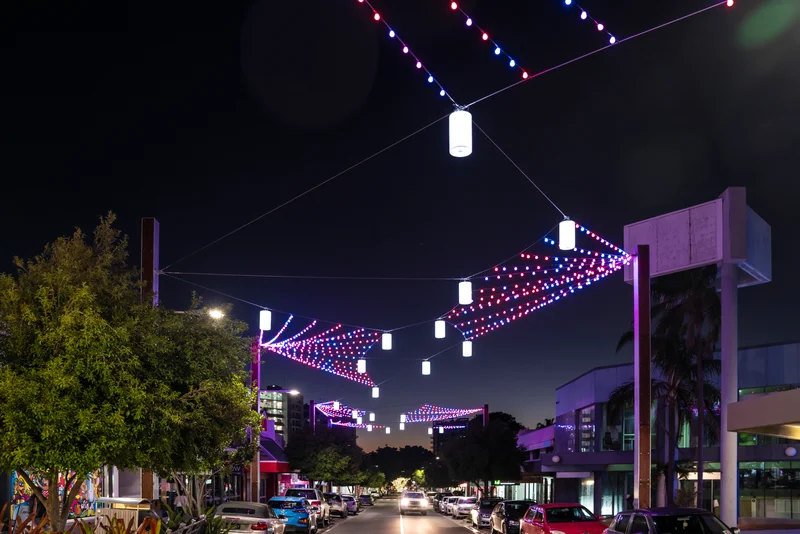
<point>669,521</point>
<point>463,506</point>
<point>507,515</point>
<point>413,501</point>
<point>296,512</point>
<point>316,500</point>
<point>245,517</point>
<point>560,518</point>
<point>482,511</point>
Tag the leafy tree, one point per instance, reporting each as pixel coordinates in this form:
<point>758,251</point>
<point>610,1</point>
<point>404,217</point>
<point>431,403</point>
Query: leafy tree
<point>686,317</point>
<point>400,462</point>
<point>487,452</point>
<point>437,474</point>
<point>92,376</point>
<point>418,477</point>
<point>372,478</point>
<point>545,424</point>
<point>329,454</point>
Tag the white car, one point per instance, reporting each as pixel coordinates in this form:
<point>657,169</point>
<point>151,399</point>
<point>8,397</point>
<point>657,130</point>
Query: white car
<point>463,506</point>
<point>245,517</point>
<point>413,501</point>
<point>451,502</point>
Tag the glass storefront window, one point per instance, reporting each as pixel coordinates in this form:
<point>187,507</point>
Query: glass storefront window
<point>586,497</point>
<point>769,489</point>
<point>565,432</point>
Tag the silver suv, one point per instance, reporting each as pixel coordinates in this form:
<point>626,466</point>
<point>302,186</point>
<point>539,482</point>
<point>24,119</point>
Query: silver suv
<point>316,500</point>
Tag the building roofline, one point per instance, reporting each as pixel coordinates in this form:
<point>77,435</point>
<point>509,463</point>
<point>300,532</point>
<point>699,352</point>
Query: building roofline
<point>600,368</point>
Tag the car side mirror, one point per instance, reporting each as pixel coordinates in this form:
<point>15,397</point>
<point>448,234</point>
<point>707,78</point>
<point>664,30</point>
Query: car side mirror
<point>736,530</point>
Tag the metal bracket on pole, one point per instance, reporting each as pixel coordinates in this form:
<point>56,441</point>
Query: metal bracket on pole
<point>641,377</point>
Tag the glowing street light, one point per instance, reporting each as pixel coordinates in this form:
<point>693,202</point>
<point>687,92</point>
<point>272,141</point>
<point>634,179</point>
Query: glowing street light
<point>215,313</point>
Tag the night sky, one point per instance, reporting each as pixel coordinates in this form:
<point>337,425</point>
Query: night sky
<point>208,114</point>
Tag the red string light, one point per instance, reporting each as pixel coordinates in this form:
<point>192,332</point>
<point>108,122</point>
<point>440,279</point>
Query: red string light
<point>512,292</point>
<point>332,350</point>
<point>406,50</point>
<point>429,414</point>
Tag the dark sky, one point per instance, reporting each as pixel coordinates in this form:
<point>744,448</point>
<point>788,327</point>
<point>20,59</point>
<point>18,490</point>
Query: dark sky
<point>208,114</point>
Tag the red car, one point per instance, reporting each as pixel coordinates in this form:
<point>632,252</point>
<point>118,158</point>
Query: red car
<point>560,519</point>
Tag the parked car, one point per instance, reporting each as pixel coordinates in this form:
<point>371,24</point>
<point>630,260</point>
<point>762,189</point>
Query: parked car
<point>561,519</point>
<point>668,521</point>
<point>449,503</point>
<point>375,494</point>
<point>430,495</point>
<point>507,515</point>
<point>437,499</point>
<point>296,512</point>
<point>366,499</point>
<point>337,504</point>
<point>463,506</point>
<point>316,500</point>
<point>482,511</point>
<point>413,501</point>
<point>353,505</point>
<point>245,517</point>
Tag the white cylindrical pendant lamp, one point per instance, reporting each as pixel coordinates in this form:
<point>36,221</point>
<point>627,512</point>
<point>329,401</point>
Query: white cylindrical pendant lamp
<point>388,430</point>
<point>403,418</point>
<point>265,320</point>
<point>369,428</point>
<point>372,416</point>
<point>362,366</point>
<point>376,392</point>
<point>465,292</point>
<point>440,326</point>
<point>359,420</point>
<point>426,367</point>
<point>441,430</point>
<point>430,431</point>
<point>402,426</point>
<point>335,405</point>
<point>460,133</point>
<point>566,235</point>
<point>466,349</point>
<point>355,414</point>
<point>386,341</point>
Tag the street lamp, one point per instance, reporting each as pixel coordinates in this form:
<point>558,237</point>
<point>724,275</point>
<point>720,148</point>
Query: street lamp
<point>216,313</point>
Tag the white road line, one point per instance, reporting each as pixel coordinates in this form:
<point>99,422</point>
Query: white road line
<point>402,527</point>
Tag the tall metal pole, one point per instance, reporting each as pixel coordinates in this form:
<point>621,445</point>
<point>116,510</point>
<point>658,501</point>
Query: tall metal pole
<point>312,416</point>
<point>729,392</point>
<point>255,467</point>
<point>485,414</point>
<point>641,377</point>
<point>150,266</point>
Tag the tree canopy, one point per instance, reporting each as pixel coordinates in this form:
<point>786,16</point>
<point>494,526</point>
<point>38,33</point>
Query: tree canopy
<point>486,453</point>
<point>329,454</point>
<point>397,462</point>
<point>93,376</point>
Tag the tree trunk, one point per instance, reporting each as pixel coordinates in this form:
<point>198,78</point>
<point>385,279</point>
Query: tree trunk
<point>701,413</point>
<point>673,443</point>
<point>56,509</point>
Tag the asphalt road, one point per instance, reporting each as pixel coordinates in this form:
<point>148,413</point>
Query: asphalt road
<point>385,518</point>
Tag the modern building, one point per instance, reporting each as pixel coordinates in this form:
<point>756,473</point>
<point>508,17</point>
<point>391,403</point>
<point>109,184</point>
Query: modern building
<point>447,431</point>
<point>284,408</point>
<point>586,457</point>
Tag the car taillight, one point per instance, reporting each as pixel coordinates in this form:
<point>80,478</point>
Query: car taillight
<point>261,525</point>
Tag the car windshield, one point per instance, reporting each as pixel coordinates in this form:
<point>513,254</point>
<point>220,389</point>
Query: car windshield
<point>308,494</point>
<point>252,511</point>
<point>489,502</point>
<point>413,495</point>
<point>568,514</point>
<point>348,498</point>
<point>467,500</point>
<point>515,510</point>
<point>688,524</point>
<point>285,505</point>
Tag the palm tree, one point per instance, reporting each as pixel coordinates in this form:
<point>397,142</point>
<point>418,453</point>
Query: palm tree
<point>686,314</point>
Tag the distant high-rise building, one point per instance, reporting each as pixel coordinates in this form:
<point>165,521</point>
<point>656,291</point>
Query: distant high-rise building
<point>439,438</point>
<point>284,409</point>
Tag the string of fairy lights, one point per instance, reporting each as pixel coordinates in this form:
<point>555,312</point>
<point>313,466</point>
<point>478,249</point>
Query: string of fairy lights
<point>342,415</point>
<point>486,301</point>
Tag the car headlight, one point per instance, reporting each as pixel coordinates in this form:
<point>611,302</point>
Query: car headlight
<point>403,502</point>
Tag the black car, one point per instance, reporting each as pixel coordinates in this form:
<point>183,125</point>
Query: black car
<point>668,521</point>
<point>507,515</point>
<point>438,498</point>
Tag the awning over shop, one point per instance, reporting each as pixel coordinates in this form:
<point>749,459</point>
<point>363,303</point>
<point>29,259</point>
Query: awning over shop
<point>775,414</point>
